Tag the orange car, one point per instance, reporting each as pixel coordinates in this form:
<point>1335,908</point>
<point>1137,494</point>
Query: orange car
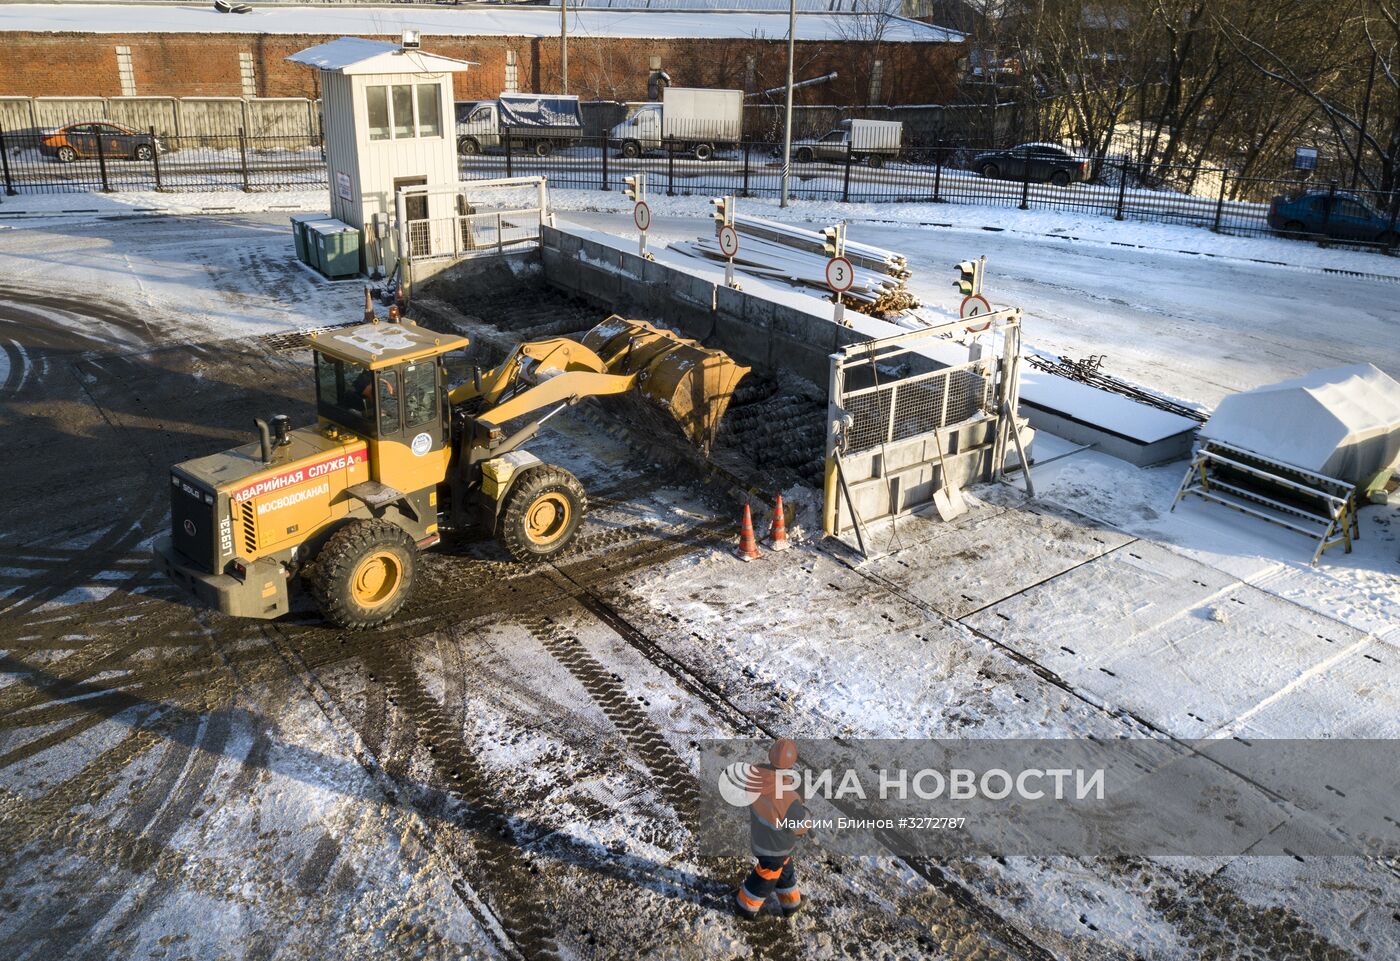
<point>68,143</point>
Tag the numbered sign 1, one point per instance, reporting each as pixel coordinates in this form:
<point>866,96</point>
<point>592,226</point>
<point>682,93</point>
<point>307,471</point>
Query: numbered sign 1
<point>728,241</point>
<point>839,274</point>
<point>641,216</point>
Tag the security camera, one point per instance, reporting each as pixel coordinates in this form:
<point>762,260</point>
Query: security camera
<point>411,40</point>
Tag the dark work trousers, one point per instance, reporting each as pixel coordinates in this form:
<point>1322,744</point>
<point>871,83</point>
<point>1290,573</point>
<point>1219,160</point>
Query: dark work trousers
<point>770,875</point>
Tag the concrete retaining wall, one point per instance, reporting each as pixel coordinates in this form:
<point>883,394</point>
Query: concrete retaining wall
<point>755,330</point>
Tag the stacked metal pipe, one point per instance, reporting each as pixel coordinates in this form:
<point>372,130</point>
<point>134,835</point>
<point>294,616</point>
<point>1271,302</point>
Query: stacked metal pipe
<point>777,251</point>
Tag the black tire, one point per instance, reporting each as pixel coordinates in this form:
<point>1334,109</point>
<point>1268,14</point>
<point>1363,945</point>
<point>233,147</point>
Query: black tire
<point>543,148</point>
<point>804,155</point>
<point>991,171</point>
<point>468,147</point>
<point>1060,178</point>
<point>343,580</point>
<point>66,154</point>
<point>703,151</point>
<point>143,151</point>
<point>541,514</point>
<point>875,161</point>
<point>1295,228</point>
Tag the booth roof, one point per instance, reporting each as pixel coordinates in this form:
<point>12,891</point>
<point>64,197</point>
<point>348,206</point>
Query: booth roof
<point>352,55</point>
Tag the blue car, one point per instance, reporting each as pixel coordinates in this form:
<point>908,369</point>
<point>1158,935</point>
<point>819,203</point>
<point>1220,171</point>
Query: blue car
<point>1349,218</point>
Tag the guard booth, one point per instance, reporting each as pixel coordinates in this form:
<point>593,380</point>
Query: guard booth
<point>388,124</point>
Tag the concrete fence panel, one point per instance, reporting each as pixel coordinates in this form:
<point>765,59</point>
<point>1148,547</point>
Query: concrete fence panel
<point>142,113</point>
<point>52,112</point>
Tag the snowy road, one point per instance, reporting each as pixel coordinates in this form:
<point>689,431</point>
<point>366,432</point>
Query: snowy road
<point>1194,327</point>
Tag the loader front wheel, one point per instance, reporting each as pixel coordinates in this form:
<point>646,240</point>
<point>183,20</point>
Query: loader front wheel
<point>541,514</point>
<point>364,574</point>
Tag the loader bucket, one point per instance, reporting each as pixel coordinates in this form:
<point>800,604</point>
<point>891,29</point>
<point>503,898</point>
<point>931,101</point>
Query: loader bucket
<point>694,384</point>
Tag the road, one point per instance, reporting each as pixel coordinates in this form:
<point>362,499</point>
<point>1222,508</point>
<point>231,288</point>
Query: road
<point>1192,327</point>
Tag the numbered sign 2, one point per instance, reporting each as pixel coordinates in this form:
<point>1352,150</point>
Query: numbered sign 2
<point>728,241</point>
<point>839,274</point>
<point>641,216</point>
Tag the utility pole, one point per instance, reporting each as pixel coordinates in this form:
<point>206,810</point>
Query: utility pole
<point>1365,116</point>
<point>787,117</point>
<point>564,44</point>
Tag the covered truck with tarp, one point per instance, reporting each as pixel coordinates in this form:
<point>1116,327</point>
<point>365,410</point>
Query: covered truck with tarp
<point>540,123</point>
<point>1303,453</point>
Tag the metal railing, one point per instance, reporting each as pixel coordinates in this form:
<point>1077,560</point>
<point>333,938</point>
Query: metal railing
<point>492,216</point>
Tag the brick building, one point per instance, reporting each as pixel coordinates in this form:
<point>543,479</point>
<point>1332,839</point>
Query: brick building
<point>178,51</point>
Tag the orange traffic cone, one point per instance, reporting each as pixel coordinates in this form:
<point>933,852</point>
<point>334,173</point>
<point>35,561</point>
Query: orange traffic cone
<point>748,545</point>
<point>777,535</point>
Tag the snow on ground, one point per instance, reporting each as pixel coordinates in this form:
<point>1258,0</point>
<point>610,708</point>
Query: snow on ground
<point>1195,622</point>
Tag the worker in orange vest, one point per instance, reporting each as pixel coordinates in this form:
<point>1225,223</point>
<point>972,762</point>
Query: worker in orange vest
<point>771,838</point>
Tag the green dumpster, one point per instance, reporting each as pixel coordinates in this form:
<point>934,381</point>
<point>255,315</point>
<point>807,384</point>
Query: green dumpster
<point>299,236</point>
<point>334,248</point>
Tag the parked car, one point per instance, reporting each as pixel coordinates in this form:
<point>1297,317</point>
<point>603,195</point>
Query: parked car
<point>1350,217</point>
<point>1041,162</point>
<point>68,143</point>
<point>873,141</point>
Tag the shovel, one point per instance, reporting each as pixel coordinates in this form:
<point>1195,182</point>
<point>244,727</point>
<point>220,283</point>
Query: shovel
<point>947,499</point>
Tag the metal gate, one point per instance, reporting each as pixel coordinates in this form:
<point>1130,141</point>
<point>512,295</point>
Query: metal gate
<point>902,421</point>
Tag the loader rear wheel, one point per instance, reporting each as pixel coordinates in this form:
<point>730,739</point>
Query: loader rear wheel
<point>364,574</point>
<point>541,514</point>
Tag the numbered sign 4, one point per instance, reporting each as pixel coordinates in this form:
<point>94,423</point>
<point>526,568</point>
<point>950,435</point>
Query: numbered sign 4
<point>728,241</point>
<point>839,274</point>
<point>975,305</point>
<point>641,216</point>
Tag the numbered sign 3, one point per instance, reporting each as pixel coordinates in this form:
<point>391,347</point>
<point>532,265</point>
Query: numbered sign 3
<point>728,241</point>
<point>839,274</point>
<point>641,216</point>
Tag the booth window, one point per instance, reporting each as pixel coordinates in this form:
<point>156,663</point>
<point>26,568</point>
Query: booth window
<point>429,110</point>
<point>377,100</point>
<point>392,114</point>
<point>401,101</point>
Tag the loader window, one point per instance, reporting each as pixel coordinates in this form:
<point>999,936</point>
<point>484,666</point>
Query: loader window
<point>388,402</point>
<point>342,393</point>
<point>420,393</point>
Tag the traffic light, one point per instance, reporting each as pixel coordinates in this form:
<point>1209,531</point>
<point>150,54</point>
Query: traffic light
<point>635,187</point>
<point>831,241</point>
<point>970,277</point>
<point>721,213</point>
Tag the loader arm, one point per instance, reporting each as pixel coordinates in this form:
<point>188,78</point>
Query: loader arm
<point>691,383</point>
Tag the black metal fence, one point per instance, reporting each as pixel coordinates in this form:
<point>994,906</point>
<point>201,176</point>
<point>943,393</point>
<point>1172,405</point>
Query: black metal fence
<point>99,156</point>
<point>829,172</point>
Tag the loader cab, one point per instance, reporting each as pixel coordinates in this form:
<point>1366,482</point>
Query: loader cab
<point>386,383</point>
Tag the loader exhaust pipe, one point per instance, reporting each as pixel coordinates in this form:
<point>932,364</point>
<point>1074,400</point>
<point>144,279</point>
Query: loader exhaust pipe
<point>281,430</point>
<point>266,437</point>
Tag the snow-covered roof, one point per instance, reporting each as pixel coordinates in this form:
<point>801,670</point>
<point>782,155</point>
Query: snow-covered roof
<point>353,55</point>
<point>1343,422</point>
<point>460,21</point>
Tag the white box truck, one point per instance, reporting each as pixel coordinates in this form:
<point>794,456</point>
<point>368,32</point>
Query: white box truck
<point>535,122</point>
<point>697,120</point>
<point>873,141</point>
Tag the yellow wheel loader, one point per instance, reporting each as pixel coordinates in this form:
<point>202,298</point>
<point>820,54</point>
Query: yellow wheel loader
<point>396,458</point>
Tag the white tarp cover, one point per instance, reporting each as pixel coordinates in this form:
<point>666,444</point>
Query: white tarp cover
<point>1343,422</point>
